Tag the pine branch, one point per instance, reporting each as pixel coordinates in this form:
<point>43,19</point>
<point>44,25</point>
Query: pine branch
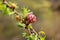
<point>17,13</point>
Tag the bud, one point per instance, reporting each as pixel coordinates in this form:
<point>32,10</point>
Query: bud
<point>13,6</point>
<point>18,18</point>
<point>31,18</point>
<point>4,1</point>
<point>42,35</point>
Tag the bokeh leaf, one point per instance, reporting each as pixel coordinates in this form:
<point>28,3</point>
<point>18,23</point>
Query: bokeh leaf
<point>21,25</point>
<point>26,35</point>
<point>25,12</point>
<point>2,6</point>
<point>29,26</point>
<point>8,11</point>
<point>33,37</point>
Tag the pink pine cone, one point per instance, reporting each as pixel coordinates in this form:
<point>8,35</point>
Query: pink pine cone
<point>31,18</point>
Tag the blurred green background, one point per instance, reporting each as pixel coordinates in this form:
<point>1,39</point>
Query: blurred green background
<point>47,20</point>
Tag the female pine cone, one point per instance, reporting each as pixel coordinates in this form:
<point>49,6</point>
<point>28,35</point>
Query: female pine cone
<point>31,18</point>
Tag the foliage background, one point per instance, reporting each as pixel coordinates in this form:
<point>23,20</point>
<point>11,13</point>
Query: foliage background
<point>47,20</point>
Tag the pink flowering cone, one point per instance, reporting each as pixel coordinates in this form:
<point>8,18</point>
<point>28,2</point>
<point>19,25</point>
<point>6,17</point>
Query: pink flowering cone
<point>31,18</point>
